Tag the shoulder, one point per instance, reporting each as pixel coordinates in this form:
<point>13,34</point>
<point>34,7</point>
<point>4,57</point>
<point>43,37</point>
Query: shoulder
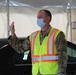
<point>60,33</point>
<point>34,32</point>
<point>60,36</point>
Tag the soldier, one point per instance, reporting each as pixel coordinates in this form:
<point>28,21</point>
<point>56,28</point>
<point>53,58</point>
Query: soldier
<point>48,47</point>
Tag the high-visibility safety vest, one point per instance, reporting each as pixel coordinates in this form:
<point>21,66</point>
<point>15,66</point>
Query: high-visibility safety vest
<point>44,56</point>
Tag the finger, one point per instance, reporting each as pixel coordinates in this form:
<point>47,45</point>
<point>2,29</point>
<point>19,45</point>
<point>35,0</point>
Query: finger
<point>12,23</point>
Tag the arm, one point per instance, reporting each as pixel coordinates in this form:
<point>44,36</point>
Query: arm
<point>61,44</point>
<point>15,43</point>
<point>18,46</point>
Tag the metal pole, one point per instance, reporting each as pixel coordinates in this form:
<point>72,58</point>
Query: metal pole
<point>70,26</point>
<point>71,30</point>
<point>7,7</point>
<point>70,22</point>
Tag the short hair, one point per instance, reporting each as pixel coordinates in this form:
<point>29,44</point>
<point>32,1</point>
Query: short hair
<point>47,13</point>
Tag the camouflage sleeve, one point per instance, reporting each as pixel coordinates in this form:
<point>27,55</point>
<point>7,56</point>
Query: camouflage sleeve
<point>19,46</point>
<point>61,44</point>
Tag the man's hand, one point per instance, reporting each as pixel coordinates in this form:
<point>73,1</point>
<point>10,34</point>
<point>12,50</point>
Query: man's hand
<point>12,28</point>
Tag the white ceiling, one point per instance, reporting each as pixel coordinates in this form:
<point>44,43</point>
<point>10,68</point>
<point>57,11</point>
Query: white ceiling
<point>39,3</point>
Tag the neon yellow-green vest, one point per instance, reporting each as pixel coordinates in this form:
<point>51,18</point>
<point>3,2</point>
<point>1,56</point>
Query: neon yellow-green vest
<point>44,56</point>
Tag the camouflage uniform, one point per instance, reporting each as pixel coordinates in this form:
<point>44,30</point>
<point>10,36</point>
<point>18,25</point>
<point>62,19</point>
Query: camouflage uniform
<point>61,44</point>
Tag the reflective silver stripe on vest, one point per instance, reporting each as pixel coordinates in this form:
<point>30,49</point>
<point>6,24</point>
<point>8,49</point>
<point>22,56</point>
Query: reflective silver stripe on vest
<point>32,41</point>
<point>33,35</point>
<point>36,59</point>
<point>50,43</point>
<point>50,58</point>
<point>45,58</point>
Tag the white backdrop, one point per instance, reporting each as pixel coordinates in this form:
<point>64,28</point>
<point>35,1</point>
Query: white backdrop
<point>25,19</point>
<point>24,16</point>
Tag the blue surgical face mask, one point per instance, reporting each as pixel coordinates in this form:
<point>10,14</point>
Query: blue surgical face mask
<point>40,22</point>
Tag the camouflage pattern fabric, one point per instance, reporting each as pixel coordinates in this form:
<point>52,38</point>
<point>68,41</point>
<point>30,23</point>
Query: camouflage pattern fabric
<point>61,45</point>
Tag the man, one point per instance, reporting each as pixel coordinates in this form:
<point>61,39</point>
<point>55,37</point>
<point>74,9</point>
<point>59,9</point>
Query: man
<point>48,47</point>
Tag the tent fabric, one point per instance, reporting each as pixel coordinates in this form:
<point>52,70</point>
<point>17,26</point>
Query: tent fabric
<point>25,19</point>
<point>38,3</point>
<point>24,12</point>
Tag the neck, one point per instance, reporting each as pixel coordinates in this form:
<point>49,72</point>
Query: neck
<point>45,27</point>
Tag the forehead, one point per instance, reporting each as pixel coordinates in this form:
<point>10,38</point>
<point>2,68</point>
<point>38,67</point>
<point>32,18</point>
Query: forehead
<point>41,14</point>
